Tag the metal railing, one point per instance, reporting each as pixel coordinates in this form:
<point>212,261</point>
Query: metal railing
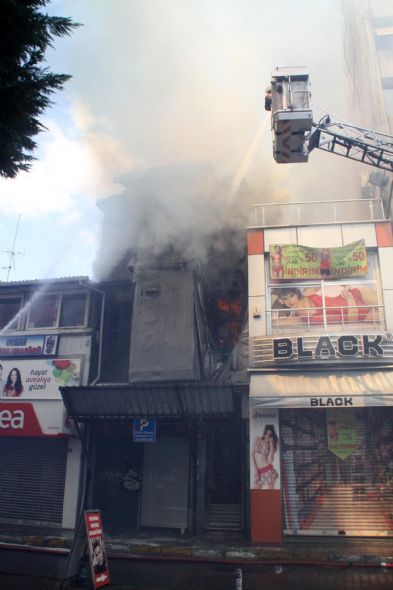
<point>317,212</point>
<point>332,319</point>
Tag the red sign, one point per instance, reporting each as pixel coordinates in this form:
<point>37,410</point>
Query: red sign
<point>96,547</point>
<point>19,420</point>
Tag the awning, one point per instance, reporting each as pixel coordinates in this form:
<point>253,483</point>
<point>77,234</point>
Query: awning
<point>322,389</point>
<point>148,399</point>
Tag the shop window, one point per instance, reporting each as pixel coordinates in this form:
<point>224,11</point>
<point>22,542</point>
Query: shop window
<point>9,309</point>
<point>73,308</point>
<point>323,303</point>
<point>44,311</point>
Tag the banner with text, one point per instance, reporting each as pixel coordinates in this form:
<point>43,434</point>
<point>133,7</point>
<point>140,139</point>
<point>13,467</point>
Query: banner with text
<point>295,262</point>
<point>38,378</point>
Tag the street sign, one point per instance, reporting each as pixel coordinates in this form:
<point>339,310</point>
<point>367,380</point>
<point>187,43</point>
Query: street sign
<point>144,430</point>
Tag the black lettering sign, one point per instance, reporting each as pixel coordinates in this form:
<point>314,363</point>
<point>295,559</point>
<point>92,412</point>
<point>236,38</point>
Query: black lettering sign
<point>372,345</point>
<point>282,348</point>
<point>347,345</point>
<point>324,348</point>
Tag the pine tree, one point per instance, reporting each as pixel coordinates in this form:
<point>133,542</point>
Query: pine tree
<point>25,84</point>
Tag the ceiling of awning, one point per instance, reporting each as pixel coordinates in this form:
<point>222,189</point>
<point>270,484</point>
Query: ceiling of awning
<point>160,400</point>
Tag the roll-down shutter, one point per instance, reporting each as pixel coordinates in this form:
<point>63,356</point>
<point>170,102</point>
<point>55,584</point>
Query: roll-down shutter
<point>337,471</point>
<point>32,477</point>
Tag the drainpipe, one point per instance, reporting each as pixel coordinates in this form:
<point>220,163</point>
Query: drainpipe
<point>103,299</point>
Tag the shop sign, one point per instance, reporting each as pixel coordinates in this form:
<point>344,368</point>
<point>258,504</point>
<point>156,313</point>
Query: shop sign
<point>37,379</point>
<point>19,420</point>
<point>144,430</point>
<point>345,347</point>
<point>22,346</point>
<point>96,548</point>
<point>294,262</point>
<point>345,401</point>
<point>341,432</point>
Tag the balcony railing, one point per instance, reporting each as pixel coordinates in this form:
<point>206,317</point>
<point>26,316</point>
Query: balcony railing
<point>317,212</point>
<point>326,319</point>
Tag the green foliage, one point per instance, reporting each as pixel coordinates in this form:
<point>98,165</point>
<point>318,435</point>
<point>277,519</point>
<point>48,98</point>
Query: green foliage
<point>25,84</point>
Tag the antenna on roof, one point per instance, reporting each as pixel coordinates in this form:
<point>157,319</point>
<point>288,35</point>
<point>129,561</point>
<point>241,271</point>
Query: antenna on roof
<point>12,252</point>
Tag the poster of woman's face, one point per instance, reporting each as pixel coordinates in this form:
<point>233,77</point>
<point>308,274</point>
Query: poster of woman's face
<point>264,449</point>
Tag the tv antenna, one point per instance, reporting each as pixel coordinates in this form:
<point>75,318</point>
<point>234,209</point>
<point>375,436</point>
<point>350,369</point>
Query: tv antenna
<point>12,253</point>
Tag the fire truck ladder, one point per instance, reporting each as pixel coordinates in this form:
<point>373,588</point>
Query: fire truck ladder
<point>355,143</point>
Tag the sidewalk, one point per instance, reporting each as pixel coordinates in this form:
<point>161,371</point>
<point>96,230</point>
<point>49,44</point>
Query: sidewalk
<point>218,549</point>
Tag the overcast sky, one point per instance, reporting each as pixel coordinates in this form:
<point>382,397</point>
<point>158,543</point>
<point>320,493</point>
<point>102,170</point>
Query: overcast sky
<point>157,82</point>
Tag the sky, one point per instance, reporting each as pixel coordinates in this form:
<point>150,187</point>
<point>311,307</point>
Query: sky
<point>156,82</point>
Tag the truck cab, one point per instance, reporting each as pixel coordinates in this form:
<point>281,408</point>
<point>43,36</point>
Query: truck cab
<point>291,114</point>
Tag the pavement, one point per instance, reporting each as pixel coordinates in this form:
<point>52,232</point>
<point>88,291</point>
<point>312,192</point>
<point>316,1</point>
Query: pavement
<point>230,549</point>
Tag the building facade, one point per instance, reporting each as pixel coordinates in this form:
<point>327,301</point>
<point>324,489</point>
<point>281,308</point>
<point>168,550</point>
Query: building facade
<point>321,378</point>
<point>47,328</point>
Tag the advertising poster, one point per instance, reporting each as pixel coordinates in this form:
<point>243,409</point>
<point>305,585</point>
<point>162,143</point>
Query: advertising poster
<point>37,378</point>
<point>341,432</point>
<point>338,303</point>
<point>295,262</point>
<point>96,549</point>
<point>264,449</point>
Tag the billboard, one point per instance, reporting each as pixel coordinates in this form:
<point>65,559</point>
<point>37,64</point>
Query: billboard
<point>37,378</point>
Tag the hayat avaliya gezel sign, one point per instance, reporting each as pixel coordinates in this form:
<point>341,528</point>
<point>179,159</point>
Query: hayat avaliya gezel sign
<point>37,379</point>
<point>294,262</point>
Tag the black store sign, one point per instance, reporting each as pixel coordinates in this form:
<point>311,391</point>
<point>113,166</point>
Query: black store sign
<point>345,347</point>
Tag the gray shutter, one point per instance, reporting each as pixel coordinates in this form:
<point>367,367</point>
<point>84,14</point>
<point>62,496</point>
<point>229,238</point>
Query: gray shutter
<point>326,495</point>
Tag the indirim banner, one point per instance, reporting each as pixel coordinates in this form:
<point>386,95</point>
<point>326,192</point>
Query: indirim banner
<point>295,262</point>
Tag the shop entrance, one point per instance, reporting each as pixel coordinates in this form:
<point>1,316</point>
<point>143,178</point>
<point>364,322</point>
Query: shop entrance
<point>117,479</point>
<point>224,476</point>
<point>337,471</point>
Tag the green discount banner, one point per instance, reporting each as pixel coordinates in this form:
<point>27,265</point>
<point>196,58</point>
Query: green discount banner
<point>294,262</point>
<point>341,431</point>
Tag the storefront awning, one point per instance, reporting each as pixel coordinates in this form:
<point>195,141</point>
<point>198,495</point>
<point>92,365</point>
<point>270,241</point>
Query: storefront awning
<point>322,389</point>
<point>148,399</point>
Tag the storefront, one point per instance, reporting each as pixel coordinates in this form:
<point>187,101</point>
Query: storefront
<point>39,454</point>
<point>331,469</point>
<point>163,456</point>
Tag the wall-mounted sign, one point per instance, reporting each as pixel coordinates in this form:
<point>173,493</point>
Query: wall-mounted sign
<point>38,419</point>
<point>144,430</point>
<point>22,346</point>
<point>295,262</point>
<point>316,348</point>
<point>37,379</point>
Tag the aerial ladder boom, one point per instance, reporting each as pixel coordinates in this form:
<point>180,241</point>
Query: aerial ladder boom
<point>355,143</point>
<point>295,134</point>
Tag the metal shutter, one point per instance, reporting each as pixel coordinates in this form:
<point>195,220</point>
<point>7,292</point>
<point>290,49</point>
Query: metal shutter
<point>32,477</point>
<point>327,495</point>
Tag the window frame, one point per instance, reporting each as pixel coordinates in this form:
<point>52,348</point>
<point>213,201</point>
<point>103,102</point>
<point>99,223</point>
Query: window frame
<point>61,295</point>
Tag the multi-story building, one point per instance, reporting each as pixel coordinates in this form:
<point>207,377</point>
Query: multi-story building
<point>47,330</point>
<point>321,378</point>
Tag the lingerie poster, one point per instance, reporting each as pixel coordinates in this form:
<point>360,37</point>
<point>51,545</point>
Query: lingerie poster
<point>264,449</point>
<point>295,262</point>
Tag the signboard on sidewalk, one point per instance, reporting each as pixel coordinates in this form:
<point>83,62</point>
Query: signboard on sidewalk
<point>144,430</point>
<point>88,541</point>
<point>96,548</point>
